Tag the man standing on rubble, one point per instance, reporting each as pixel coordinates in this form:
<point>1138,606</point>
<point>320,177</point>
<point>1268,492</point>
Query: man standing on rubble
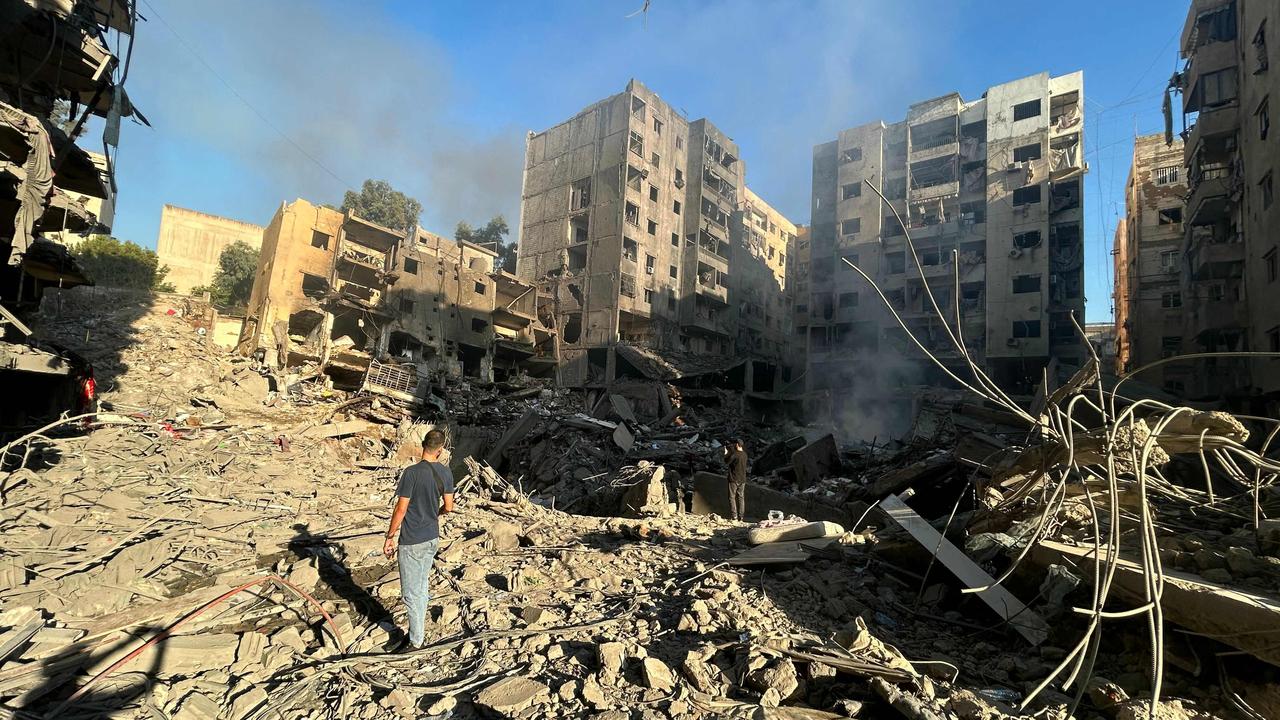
<point>424,492</point>
<point>736,459</point>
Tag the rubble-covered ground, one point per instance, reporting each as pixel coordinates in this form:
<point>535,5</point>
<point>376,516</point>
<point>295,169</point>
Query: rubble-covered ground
<point>205,473</point>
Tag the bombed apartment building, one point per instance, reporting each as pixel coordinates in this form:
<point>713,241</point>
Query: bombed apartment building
<point>381,309</point>
<point>1149,303</point>
<point>1229,263</point>
<point>190,243</point>
<point>59,67</point>
<point>991,193</point>
<point>628,227</point>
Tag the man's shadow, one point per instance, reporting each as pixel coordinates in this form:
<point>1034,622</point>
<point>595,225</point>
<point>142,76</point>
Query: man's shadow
<point>331,561</point>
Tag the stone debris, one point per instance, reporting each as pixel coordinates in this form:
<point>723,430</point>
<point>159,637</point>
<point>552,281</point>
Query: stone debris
<point>577,579</point>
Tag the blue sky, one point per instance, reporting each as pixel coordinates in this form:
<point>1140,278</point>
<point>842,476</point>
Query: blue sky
<point>257,103</point>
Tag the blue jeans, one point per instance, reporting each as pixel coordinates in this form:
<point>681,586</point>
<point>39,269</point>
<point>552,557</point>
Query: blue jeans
<point>415,578</point>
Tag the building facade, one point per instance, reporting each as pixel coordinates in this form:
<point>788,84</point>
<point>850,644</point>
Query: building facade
<point>1150,306</point>
<point>368,305</point>
<point>631,226</point>
<point>1230,244</point>
<point>191,242</point>
<point>991,193</point>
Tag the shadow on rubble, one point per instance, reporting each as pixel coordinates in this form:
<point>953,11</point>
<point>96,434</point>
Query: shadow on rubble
<point>59,680</point>
<point>336,575</point>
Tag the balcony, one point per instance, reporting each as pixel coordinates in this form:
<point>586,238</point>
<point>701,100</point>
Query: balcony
<point>352,253</point>
<point>708,323</point>
<point>1207,59</point>
<point>1209,199</point>
<point>936,151</point>
<point>1217,260</point>
<point>1212,123</point>
<point>944,189</point>
<point>921,231</point>
<point>1218,315</point>
<point>717,293</point>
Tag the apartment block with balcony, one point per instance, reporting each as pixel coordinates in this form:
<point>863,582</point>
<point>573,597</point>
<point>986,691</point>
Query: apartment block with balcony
<point>1151,307</point>
<point>1230,154</point>
<point>629,226</point>
<point>991,192</point>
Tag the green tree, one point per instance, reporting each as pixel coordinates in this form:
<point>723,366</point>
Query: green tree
<point>490,235</point>
<point>378,202</point>
<point>111,262</point>
<point>233,282</point>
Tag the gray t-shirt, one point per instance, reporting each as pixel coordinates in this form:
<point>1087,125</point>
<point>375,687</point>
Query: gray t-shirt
<point>424,490</point>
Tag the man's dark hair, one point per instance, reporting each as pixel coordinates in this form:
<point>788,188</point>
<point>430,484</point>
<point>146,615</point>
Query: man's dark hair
<point>737,442</point>
<point>433,440</point>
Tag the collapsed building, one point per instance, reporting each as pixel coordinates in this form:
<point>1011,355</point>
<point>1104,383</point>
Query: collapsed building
<point>58,56</point>
<point>991,192</point>
<point>639,230</point>
<point>379,308</point>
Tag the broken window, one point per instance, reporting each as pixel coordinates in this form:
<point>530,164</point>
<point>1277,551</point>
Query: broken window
<point>577,258</point>
<point>1170,345</point>
<point>1026,328</point>
<point>1264,118</point>
<point>1266,191</point>
<point>679,181</point>
<point>973,213</point>
<point>478,325</point>
<point>578,229</point>
<point>653,228</point>
<point>931,173</point>
<point>895,263</point>
<point>629,249</point>
<point>1026,240</point>
<point>628,284</point>
<point>657,126</point>
<point>634,176</point>
<point>675,272</point>
<point>1269,265</point>
<point>406,305</point>
<point>314,286</point>
<point>653,193</point>
<point>1169,260</point>
<point>675,207</point>
<point>851,155</point>
<point>891,227</point>
<point>649,261</point>
<point>580,195</point>
<point>1171,300</point>
<point>852,190</point>
<point>648,295</point>
<point>675,239</point>
<point>671,303</point>
<point>636,144</point>
<point>1171,216</point>
<point>1064,111</point>
<point>895,188</point>
<point>1216,25</point>
<point>411,266</point>
<point>679,144</point>
<point>633,214</point>
<point>849,299</point>
<point>1026,284</point>
<point>850,226</point>
<point>479,287</point>
<point>1028,109</point>
<point>319,240</point>
<point>1215,89</point>
<point>1027,153</point>
<point>1260,49</point>
<point>573,327</point>
<point>1026,196</point>
<point>934,133</point>
<point>655,159</point>
<point>1166,175</point>
<point>637,107</point>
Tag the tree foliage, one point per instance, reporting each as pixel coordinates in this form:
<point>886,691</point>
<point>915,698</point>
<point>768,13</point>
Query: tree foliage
<point>111,262</point>
<point>378,202</point>
<point>233,282</point>
<point>491,235</point>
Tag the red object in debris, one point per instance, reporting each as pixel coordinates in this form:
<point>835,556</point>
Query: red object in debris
<point>88,392</point>
<point>282,442</point>
<point>171,311</point>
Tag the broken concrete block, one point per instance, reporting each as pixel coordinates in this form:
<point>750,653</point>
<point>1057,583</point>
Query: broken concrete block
<point>503,536</point>
<point>399,702</point>
<point>179,655</point>
<point>250,648</point>
<point>779,675</point>
<point>198,706</point>
<point>304,575</point>
<point>648,497</point>
<point>248,701</point>
<point>507,697</point>
<point>656,674</point>
<point>594,695</point>
<point>443,706</point>
<point>815,461</point>
<point>289,637</point>
<point>611,655</point>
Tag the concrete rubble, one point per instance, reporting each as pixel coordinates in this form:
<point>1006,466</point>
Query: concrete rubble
<point>212,549</point>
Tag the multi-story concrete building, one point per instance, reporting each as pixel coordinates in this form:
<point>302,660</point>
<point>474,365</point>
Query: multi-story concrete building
<point>759,286</point>
<point>628,225</point>
<point>191,242</point>
<point>371,305</point>
<point>1231,156</point>
<point>1150,307</point>
<point>991,192</point>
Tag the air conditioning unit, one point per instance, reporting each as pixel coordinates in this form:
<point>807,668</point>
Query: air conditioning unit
<point>1018,166</point>
<point>679,183</point>
<point>1015,253</point>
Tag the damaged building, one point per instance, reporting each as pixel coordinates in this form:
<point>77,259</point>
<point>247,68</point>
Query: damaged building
<point>638,228</point>
<point>190,244</point>
<point>1229,263</point>
<point>58,58</point>
<point>991,192</point>
<point>1149,303</point>
<point>382,309</point>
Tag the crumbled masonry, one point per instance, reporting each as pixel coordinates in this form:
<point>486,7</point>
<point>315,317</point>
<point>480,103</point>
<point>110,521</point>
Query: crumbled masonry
<point>580,578</point>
